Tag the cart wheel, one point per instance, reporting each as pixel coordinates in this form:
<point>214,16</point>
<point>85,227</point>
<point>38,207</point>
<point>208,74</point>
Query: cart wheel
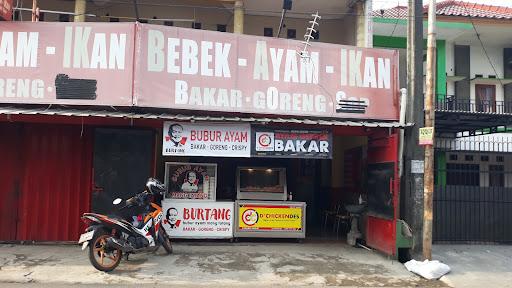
<point>231,240</point>
<point>299,240</point>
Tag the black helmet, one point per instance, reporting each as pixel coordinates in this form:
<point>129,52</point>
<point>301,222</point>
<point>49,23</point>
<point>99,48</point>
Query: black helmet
<point>154,186</point>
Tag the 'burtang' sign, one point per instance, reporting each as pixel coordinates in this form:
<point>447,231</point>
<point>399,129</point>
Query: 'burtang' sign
<point>203,70</point>
<point>72,63</point>
<point>198,219</point>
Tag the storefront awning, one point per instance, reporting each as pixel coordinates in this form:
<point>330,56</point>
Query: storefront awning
<point>202,118</point>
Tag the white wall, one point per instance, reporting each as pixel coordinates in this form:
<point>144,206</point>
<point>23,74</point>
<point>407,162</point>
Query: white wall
<point>450,67</point>
<point>479,65</point>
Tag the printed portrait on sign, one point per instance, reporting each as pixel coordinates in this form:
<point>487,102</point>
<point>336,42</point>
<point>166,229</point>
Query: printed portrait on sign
<point>175,135</point>
<point>190,181</point>
<point>172,218</point>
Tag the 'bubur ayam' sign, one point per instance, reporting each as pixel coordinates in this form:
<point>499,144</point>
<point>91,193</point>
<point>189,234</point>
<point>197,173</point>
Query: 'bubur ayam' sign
<point>291,143</point>
<point>189,139</point>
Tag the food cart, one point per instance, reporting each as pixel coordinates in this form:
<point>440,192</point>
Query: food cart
<point>263,206</point>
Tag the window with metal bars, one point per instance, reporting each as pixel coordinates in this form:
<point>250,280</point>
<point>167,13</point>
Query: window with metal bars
<point>496,176</point>
<point>463,174</point>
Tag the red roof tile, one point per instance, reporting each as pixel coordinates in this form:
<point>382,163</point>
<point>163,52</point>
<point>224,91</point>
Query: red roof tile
<point>465,9</point>
<point>398,12</point>
<point>452,8</point>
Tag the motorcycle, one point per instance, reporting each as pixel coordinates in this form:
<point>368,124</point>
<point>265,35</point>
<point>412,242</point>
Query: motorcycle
<point>108,237</point>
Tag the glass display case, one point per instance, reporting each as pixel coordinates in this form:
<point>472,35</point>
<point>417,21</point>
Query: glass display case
<point>261,183</point>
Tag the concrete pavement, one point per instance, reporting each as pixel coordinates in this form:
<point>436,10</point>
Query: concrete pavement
<point>476,265</point>
<point>212,264</point>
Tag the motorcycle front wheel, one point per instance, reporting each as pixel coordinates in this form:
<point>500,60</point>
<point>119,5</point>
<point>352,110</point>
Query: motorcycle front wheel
<point>166,242</point>
<point>102,257</point>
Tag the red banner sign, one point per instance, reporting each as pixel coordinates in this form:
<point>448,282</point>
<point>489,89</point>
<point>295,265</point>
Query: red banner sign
<point>203,70</point>
<point>56,63</point>
<point>178,68</point>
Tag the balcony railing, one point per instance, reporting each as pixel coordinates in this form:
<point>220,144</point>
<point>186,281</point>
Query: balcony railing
<point>450,103</point>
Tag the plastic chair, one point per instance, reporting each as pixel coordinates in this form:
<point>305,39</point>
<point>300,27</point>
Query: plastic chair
<point>331,213</point>
<point>342,218</point>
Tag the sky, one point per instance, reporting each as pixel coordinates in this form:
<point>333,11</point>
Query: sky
<point>383,4</point>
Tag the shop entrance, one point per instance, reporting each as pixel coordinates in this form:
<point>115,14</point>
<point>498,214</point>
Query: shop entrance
<point>348,195</point>
<point>122,163</point>
<point>325,185</point>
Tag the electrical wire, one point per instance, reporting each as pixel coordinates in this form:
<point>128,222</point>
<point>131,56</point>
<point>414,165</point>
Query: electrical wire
<point>396,22</point>
<point>481,43</point>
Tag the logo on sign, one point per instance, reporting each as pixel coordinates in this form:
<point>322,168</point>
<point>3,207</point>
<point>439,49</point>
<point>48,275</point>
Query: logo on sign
<point>250,217</point>
<point>172,218</point>
<point>264,141</point>
<point>175,135</point>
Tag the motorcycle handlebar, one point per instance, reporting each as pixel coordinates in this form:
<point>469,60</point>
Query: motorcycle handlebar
<point>138,200</point>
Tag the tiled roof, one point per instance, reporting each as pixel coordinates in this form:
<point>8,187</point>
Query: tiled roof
<point>465,9</point>
<point>452,8</point>
<point>398,12</point>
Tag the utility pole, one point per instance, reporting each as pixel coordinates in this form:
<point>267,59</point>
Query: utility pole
<point>429,122</point>
<point>411,196</point>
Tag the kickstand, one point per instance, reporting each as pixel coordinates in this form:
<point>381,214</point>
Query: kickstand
<point>126,256</point>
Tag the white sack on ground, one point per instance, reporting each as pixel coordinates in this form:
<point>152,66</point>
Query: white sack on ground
<point>427,269</point>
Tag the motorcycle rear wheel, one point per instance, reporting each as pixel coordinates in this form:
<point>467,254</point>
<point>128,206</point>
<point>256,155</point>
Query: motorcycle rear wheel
<point>102,257</point>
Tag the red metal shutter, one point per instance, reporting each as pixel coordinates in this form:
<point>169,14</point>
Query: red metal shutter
<point>10,169</point>
<point>56,182</point>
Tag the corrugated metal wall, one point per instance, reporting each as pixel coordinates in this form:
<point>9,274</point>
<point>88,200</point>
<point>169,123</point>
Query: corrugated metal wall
<point>55,182</point>
<point>10,169</point>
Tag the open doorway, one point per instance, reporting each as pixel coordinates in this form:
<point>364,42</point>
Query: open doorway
<point>123,159</point>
